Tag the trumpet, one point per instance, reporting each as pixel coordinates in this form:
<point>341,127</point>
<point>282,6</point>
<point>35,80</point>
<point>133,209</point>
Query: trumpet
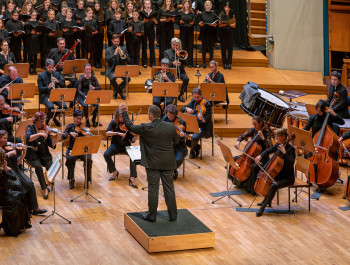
<point>122,54</point>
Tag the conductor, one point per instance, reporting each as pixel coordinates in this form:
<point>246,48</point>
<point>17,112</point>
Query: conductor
<point>157,156</point>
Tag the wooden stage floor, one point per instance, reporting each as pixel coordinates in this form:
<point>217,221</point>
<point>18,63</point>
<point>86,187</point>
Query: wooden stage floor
<point>97,234</point>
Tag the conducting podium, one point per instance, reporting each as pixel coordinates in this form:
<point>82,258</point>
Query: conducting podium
<point>126,71</point>
<point>85,146</point>
<point>166,90</point>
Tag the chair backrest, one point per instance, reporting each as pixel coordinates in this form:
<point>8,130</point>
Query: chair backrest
<point>302,165</point>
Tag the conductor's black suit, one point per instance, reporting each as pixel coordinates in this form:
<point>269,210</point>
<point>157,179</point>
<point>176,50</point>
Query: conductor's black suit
<point>157,156</point>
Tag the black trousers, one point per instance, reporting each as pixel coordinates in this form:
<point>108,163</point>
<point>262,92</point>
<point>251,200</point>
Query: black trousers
<point>197,136</point>
<point>135,46</point>
<point>50,105</point>
<point>99,47</point>
<point>283,183</point>
<point>185,81</point>
<point>70,163</point>
<point>94,107</point>
<point>32,59</point>
<point>153,177</point>
<point>180,156</point>
<point>186,37</point>
<point>151,37</point>
<point>38,165</point>
<point>114,150</point>
<point>15,48</point>
<point>165,42</point>
<point>117,88</point>
<point>226,46</point>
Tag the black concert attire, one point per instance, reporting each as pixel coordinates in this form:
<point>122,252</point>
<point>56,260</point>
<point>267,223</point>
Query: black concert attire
<point>4,34</point>
<point>206,128</point>
<point>127,34</point>
<point>157,156</point>
<point>208,34</point>
<point>15,42</point>
<point>113,61</point>
<point>88,4</point>
<point>166,31</point>
<point>83,89</point>
<point>51,40</point>
<point>70,162</point>
<point>6,16</point>
<point>341,106</point>
<point>40,158</point>
<point>79,15</point>
<point>117,26</point>
<point>69,36</point>
<point>109,18</point>
<point>89,40</point>
<point>186,34</point>
<point>8,127</point>
<point>135,41</point>
<point>219,78</point>
<point>44,79</point>
<point>4,80</point>
<point>149,35</point>
<point>43,38</point>
<point>59,17</point>
<point>99,38</point>
<point>286,176</point>
<point>15,215</point>
<point>315,122</point>
<point>56,55</point>
<point>118,147</point>
<point>5,60</point>
<point>170,54</point>
<point>32,43</point>
<point>226,38</point>
<point>169,100</point>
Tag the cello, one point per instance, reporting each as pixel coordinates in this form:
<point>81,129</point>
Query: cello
<point>324,169</point>
<point>245,161</point>
<point>347,186</point>
<point>271,170</point>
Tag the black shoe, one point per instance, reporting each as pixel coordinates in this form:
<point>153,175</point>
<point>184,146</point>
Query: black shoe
<point>176,174</point>
<point>189,66</point>
<point>31,72</point>
<point>145,217</point>
<point>35,72</point>
<point>173,220</point>
<point>71,183</point>
<point>225,66</point>
<point>122,96</point>
<point>115,177</point>
<point>181,98</point>
<point>145,66</point>
<point>204,66</point>
<point>94,123</point>
<point>229,67</point>
<point>115,95</point>
<point>28,225</point>
<point>87,123</point>
<point>259,213</point>
<point>192,155</point>
<point>38,211</point>
<point>57,122</point>
<point>197,150</point>
<point>132,184</point>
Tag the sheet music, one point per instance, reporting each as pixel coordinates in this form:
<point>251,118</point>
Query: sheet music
<point>134,152</point>
<point>55,167</point>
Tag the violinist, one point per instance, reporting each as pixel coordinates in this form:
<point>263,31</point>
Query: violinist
<point>5,80</point>
<point>264,141</point>
<point>285,177</point>
<point>38,135</point>
<point>7,121</point>
<point>200,107</point>
<point>121,137</point>
<point>74,130</point>
<point>87,82</point>
<point>180,149</point>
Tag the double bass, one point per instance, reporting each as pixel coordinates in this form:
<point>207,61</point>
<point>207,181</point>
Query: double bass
<point>324,169</point>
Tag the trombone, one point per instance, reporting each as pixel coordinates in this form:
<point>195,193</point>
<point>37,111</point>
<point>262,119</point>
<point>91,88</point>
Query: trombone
<point>180,54</point>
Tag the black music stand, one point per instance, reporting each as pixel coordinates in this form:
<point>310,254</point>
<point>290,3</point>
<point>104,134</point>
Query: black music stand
<point>85,146</point>
<point>127,71</point>
<point>192,126</point>
<point>165,89</point>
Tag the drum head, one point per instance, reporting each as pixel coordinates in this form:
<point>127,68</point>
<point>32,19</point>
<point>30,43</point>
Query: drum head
<point>273,99</point>
<point>299,115</point>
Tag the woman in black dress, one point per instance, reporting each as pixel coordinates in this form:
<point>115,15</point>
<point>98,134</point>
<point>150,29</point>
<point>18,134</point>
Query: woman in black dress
<point>99,16</point>
<point>89,38</point>
<point>127,16</point>
<point>61,16</point>
<point>6,57</point>
<point>11,4</point>
<point>43,11</point>
<point>4,34</point>
<point>113,6</point>
<point>69,36</point>
<point>15,25</point>
<point>32,41</point>
<point>24,17</point>
<point>149,33</point>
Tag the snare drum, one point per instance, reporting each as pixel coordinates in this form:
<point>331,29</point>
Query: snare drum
<point>272,109</point>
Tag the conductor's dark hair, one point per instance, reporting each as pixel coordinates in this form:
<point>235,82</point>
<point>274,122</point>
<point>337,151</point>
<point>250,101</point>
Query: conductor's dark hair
<point>77,113</point>
<point>322,105</point>
<point>336,74</point>
<point>171,109</point>
<point>155,111</point>
<point>197,90</point>
<point>258,119</point>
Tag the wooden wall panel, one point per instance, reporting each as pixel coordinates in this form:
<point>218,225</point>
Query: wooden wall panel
<point>339,31</point>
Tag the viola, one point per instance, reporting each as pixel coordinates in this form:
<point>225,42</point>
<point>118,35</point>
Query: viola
<point>200,108</point>
<point>272,168</point>
<point>324,169</point>
<point>6,109</point>
<point>245,162</point>
<point>19,147</point>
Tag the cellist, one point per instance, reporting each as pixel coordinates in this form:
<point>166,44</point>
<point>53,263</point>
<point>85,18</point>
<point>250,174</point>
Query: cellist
<point>264,141</point>
<point>285,177</point>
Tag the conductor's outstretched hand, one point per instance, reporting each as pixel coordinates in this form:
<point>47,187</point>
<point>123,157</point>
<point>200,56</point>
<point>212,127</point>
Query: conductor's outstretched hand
<point>122,107</point>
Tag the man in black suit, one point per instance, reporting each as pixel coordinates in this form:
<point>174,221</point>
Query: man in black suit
<point>56,54</point>
<point>13,77</point>
<point>157,156</point>
<point>113,59</point>
<point>340,104</point>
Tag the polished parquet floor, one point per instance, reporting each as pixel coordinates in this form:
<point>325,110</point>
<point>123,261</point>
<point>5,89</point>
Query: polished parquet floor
<point>97,234</point>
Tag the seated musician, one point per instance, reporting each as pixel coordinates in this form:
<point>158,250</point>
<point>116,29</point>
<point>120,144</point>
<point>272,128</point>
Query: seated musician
<point>204,119</point>
<point>164,75</point>
<point>22,183</point>
<point>121,138</point>
<point>87,82</point>
<point>48,80</point>
<point>7,121</point>
<point>180,149</point>
<point>264,141</point>
<point>114,58</point>
<point>286,176</point>
<point>13,78</point>
<point>338,96</point>
<point>174,60</point>
<point>74,130</point>
<point>38,135</point>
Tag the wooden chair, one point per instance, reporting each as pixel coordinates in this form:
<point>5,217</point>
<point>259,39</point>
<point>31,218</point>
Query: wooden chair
<point>345,77</point>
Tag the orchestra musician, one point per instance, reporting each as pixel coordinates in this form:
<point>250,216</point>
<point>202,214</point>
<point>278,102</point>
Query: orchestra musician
<point>180,149</point>
<point>74,130</point>
<point>6,57</point>
<point>15,25</point>
<point>337,99</point>
<point>87,82</point>
<point>38,135</point>
<point>48,80</point>
<point>13,78</point>
<point>164,75</point>
<point>204,119</point>
<point>264,141</point>
<point>56,54</point>
<point>7,121</point>
<point>114,58</point>
<point>121,137</point>
<point>173,57</point>
<point>286,176</point>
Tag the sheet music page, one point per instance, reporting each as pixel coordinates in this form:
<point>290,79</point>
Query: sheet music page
<point>134,152</point>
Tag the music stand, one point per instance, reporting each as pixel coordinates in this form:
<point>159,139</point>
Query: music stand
<point>127,71</point>
<point>98,97</point>
<point>85,146</point>
<point>165,89</point>
<point>191,126</point>
<point>228,157</point>
<point>211,91</point>
<point>303,139</point>
<point>22,69</point>
<point>73,67</point>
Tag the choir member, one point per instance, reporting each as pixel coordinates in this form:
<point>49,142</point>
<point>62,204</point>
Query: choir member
<point>4,34</point>
<point>61,16</point>
<point>89,38</point>
<point>15,26</point>
<point>99,16</point>
<point>32,41</point>
<point>53,25</point>
<point>117,26</point>
<point>69,36</point>
<point>136,29</point>
<point>7,14</point>
<point>113,6</point>
<point>127,16</point>
<point>149,34</point>
<point>43,12</point>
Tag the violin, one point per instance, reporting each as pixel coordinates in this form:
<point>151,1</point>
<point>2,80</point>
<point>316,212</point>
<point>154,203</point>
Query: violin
<point>200,108</point>
<point>48,130</point>
<point>180,128</point>
<point>19,147</point>
<point>6,109</point>
<point>245,162</point>
<point>272,168</point>
<point>122,127</point>
<point>324,169</point>
<point>82,130</point>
